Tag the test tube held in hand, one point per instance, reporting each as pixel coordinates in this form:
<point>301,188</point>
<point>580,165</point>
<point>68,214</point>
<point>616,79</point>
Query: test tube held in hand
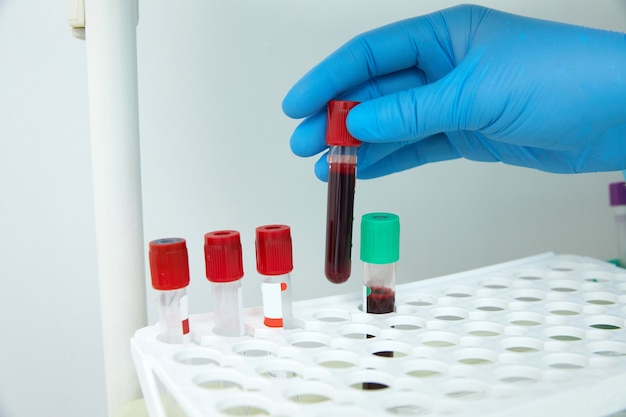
<point>617,200</point>
<point>224,269</point>
<point>380,250</point>
<point>274,261</point>
<point>169,271</point>
<point>342,156</point>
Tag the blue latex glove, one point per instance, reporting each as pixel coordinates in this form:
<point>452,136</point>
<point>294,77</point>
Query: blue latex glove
<point>475,83</point>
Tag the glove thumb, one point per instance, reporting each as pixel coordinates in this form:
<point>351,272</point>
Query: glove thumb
<point>443,106</point>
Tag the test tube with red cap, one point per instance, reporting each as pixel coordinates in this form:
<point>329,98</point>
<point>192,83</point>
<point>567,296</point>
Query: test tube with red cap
<point>169,270</point>
<point>274,261</point>
<point>617,200</point>
<point>342,155</point>
<point>224,269</point>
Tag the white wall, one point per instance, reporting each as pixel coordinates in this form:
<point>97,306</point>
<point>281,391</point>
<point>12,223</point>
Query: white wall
<point>215,155</point>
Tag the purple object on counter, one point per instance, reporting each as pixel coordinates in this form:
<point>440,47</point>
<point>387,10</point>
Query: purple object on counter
<point>617,193</point>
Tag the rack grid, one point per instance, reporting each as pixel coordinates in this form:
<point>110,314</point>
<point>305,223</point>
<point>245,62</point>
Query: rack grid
<point>538,336</point>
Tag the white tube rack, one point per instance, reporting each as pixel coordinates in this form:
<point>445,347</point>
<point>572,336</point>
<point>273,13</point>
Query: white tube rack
<point>540,336</point>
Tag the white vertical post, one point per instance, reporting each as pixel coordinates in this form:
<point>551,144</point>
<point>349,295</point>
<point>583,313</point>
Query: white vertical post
<point>111,40</point>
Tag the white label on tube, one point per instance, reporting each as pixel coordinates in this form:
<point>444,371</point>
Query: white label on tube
<point>272,300</point>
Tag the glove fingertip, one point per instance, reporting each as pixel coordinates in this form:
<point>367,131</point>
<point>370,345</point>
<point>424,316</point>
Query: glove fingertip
<point>364,123</point>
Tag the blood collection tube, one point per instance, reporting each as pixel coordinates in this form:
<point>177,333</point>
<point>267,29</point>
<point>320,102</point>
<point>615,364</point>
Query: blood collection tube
<point>224,269</point>
<point>274,261</point>
<point>617,200</point>
<point>169,270</point>
<point>342,155</point>
<point>380,250</point>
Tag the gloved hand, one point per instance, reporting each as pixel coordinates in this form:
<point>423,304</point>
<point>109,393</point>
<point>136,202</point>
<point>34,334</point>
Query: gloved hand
<point>475,83</point>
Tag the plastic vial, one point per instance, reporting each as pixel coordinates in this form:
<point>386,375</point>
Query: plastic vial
<point>617,199</point>
<point>342,155</point>
<point>224,269</point>
<point>380,250</point>
<point>274,261</point>
<point>169,270</point>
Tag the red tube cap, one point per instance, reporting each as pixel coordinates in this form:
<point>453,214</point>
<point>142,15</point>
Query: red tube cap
<point>336,131</point>
<point>222,255</point>
<point>273,249</point>
<point>169,263</point>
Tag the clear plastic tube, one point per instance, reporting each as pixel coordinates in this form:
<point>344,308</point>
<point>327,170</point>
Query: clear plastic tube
<point>224,269</point>
<point>227,308</point>
<point>379,288</point>
<point>342,158</point>
<point>339,216</point>
<point>173,316</point>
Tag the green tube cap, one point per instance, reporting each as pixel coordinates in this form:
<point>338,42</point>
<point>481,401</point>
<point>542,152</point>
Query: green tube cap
<point>380,238</point>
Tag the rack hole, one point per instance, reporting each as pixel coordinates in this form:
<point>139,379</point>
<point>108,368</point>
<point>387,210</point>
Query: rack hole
<point>197,357</point>
<point>465,389</point>
<point>459,292</point>
<point>439,339</point>
<point>338,359</point>
<point>564,286</point>
<point>369,381</point>
<point>390,349</point>
<point>425,368</point>
<point>408,405</point>
<point>525,318</point>
<point>244,404</point>
<point>528,295</point>
<point>600,298</point>
<point>309,393</point>
<point>359,331</point>
<point>531,275</point>
<point>608,348</point>
<point>522,344</point>
<point>605,322</point>
<point>496,283</point>
<point>491,304</point>
<point>421,300</point>
<point>219,380</point>
<point>564,308</point>
<point>281,369</point>
<point>565,334</point>
<point>597,276</point>
<point>484,329</point>
<point>332,316</point>
<point>518,375</point>
<point>566,361</point>
<point>308,398</point>
<point>450,314</point>
<point>405,323</point>
<point>309,340</point>
<point>475,356</point>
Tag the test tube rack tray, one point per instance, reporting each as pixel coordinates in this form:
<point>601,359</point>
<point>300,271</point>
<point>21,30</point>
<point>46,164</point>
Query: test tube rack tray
<point>539,336</point>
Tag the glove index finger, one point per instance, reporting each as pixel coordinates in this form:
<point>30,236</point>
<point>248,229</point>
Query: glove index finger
<point>388,49</point>
<point>446,105</point>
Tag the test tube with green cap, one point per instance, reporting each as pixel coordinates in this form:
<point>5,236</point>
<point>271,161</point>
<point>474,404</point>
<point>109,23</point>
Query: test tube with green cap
<point>380,250</point>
